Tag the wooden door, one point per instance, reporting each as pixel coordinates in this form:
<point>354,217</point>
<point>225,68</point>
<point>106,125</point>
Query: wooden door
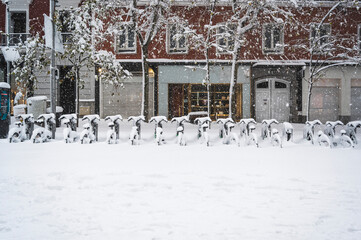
<point>262,100</point>
<point>280,100</point>
<point>175,100</point>
<point>355,103</point>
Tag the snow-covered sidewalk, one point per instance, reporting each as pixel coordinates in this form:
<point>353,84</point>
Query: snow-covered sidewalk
<point>99,191</point>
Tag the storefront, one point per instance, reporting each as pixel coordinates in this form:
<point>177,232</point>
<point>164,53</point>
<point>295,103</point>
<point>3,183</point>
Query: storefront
<point>181,91</point>
<point>186,98</point>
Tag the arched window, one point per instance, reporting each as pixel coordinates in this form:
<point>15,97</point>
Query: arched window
<point>280,85</point>
<point>262,85</point>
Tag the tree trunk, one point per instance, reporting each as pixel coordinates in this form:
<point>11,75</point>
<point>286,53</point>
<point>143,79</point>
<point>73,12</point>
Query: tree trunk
<point>308,105</point>
<point>232,84</point>
<point>208,83</point>
<point>145,83</point>
<point>29,88</point>
<point>77,95</point>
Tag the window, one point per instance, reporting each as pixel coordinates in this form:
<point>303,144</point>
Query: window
<point>272,39</point>
<point>126,40</point>
<point>18,22</point>
<point>262,85</point>
<point>225,37</point>
<point>320,37</point>
<point>65,26</point>
<point>18,26</point>
<point>176,39</point>
<point>280,85</point>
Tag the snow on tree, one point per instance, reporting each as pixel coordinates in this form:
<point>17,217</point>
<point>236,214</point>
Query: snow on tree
<point>32,59</point>
<point>92,27</point>
<point>203,42</point>
<point>146,19</point>
<point>325,49</point>
<point>245,18</point>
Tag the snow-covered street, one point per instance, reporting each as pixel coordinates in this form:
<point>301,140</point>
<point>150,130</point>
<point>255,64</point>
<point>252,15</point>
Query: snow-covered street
<point>99,191</point>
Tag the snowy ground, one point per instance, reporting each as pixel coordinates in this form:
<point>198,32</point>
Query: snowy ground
<point>99,191</point>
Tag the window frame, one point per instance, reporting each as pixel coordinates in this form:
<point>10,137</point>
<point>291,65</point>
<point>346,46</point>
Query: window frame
<point>228,47</point>
<point>177,49</point>
<point>273,49</point>
<point>127,49</point>
<point>67,32</point>
<point>318,50</point>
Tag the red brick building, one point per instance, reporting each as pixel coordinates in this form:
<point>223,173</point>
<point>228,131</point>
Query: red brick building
<point>271,68</point>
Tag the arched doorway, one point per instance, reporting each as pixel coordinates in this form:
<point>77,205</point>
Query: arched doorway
<point>272,99</point>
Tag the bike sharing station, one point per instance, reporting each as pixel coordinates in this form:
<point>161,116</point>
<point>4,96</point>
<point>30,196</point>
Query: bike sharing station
<point>4,109</point>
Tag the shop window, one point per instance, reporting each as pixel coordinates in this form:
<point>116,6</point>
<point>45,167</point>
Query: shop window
<point>126,41</point>
<point>176,39</point>
<point>272,38</point>
<point>219,97</point>
<point>186,98</point>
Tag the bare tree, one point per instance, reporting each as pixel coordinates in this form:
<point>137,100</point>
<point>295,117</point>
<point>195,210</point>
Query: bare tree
<point>246,16</point>
<point>203,42</point>
<point>147,20</point>
<point>92,27</point>
<point>326,50</point>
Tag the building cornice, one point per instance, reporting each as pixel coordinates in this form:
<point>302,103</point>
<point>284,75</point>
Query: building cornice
<point>254,63</point>
<point>15,2</point>
<point>296,3</point>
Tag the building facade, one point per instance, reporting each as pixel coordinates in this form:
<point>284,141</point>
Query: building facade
<point>271,71</point>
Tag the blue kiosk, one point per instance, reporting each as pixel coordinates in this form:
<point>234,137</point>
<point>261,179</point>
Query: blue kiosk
<point>4,109</point>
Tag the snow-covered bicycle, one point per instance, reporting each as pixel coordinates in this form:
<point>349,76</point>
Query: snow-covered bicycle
<point>345,140</point>
<point>226,133</point>
<point>330,128</point>
<point>266,131</point>
<point>203,126</point>
<point>47,126</point>
<point>69,135</point>
<point>287,131</point>
<point>158,132</point>
<point>309,130</point>
<point>113,132</point>
<point>180,129</point>
<point>275,138</point>
<point>87,135</point>
<point>135,133</point>
<point>93,121</point>
<point>351,129</point>
<point>23,129</point>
